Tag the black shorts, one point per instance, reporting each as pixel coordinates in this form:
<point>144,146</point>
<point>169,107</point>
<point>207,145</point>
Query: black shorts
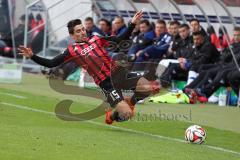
<point>112,86</point>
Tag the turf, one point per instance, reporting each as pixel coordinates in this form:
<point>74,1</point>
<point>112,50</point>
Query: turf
<point>35,134</point>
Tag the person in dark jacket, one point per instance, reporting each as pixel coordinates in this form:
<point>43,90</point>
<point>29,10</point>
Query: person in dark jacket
<point>119,26</point>
<point>144,39</point>
<point>196,27</point>
<point>91,28</point>
<point>160,46</point>
<point>176,39</point>
<point>213,76</point>
<point>234,80</point>
<point>182,51</point>
<point>204,53</point>
<point>155,52</point>
<point>105,26</point>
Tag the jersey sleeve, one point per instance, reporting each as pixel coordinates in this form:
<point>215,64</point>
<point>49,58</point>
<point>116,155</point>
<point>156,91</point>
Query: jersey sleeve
<point>66,54</point>
<point>59,59</point>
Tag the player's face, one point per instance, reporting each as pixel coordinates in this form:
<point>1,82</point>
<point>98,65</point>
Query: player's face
<point>236,36</point>
<point>118,23</point>
<point>184,32</point>
<point>103,26</point>
<point>195,27</point>
<point>80,33</point>
<point>198,40</point>
<point>169,29</point>
<point>143,28</point>
<point>159,29</point>
<point>174,29</point>
<point>89,25</point>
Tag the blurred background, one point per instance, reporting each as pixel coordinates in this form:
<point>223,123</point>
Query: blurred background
<point>41,24</point>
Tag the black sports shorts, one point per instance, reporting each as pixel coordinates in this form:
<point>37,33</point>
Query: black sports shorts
<point>119,80</point>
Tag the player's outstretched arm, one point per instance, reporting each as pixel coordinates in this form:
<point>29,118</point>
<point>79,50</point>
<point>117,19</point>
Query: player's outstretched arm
<point>136,18</point>
<point>27,52</point>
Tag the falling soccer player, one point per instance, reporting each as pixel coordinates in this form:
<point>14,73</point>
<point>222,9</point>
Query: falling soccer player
<point>90,54</point>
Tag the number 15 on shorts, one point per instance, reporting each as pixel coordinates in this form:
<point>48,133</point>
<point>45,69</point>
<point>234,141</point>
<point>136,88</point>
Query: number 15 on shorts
<point>114,95</point>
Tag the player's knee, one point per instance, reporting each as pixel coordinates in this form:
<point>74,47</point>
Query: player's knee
<point>144,87</point>
<point>153,87</point>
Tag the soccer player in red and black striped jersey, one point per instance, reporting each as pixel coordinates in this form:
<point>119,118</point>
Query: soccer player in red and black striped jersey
<point>89,53</point>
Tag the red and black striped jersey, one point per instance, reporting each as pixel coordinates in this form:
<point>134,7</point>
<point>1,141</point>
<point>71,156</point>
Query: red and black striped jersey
<point>92,56</point>
<point>89,55</point>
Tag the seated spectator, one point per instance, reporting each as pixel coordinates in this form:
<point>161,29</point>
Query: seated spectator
<point>204,53</point>
<point>91,28</point>
<point>118,51</point>
<point>234,80</point>
<point>38,35</point>
<point>213,76</point>
<point>196,27</point>
<point>144,39</point>
<point>19,31</point>
<point>224,38</point>
<point>7,48</point>
<point>160,46</point>
<point>183,49</point>
<point>182,52</point>
<point>213,37</point>
<point>156,51</point>
<point>39,28</point>
<point>174,27</point>
<point>169,28</point>
<point>119,26</point>
<point>105,26</point>
<point>32,21</point>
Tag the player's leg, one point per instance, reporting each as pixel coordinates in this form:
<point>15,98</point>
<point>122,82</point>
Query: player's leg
<point>217,82</point>
<point>144,88</point>
<point>206,72</point>
<point>201,80</point>
<point>114,97</point>
<point>167,75</point>
<point>120,111</point>
<point>141,86</point>
<point>234,80</point>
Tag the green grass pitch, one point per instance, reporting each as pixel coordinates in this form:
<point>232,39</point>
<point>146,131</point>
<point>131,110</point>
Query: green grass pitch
<point>29,129</point>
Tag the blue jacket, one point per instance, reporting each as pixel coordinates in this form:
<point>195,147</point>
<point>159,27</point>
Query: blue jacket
<point>142,41</point>
<point>121,30</point>
<point>159,48</point>
<point>95,32</point>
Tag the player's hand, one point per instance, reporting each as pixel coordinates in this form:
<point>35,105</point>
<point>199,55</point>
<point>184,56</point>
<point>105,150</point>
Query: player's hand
<point>137,17</point>
<point>24,51</point>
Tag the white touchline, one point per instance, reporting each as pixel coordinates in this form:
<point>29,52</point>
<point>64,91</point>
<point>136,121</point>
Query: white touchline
<point>120,128</point>
<point>13,95</point>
